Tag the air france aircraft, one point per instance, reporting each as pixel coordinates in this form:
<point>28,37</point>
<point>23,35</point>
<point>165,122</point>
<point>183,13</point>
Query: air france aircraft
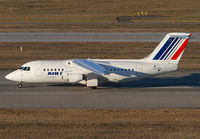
<point>90,72</point>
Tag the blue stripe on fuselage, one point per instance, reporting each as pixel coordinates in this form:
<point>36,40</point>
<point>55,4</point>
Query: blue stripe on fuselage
<point>165,46</point>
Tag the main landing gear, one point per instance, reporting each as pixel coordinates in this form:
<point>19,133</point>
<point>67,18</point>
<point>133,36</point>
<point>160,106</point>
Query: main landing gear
<point>20,85</point>
<point>94,87</point>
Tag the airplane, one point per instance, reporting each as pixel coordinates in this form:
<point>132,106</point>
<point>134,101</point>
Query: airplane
<point>91,72</point>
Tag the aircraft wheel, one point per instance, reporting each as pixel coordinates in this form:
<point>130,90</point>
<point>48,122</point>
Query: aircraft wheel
<point>93,87</point>
<point>20,85</point>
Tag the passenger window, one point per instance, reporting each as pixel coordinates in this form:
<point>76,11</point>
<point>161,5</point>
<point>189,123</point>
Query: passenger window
<point>132,69</point>
<point>55,69</point>
<point>114,69</point>
<point>44,69</point>
<point>51,69</point>
<point>47,69</point>
<point>58,69</point>
<point>110,69</point>
<point>62,69</point>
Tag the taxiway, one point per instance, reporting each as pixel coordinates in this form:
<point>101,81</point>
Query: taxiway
<point>180,89</point>
<point>89,37</point>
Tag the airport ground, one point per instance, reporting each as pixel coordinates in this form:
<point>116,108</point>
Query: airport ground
<point>159,97</point>
<point>82,123</point>
<point>179,89</point>
<point>98,16</point>
<point>168,122</point>
<point>86,11</point>
<point>100,27</point>
<point>12,58</point>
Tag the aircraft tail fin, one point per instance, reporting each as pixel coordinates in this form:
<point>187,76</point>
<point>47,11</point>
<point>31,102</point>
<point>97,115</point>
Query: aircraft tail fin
<point>170,48</point>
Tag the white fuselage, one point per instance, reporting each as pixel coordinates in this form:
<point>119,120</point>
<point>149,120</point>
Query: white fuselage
<point>65,71</point>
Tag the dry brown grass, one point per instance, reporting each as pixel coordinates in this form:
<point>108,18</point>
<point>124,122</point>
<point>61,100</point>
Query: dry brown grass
<point>100,27</point>
<point>76,123</point>
<point>12,58</point>
<point>97,11</point>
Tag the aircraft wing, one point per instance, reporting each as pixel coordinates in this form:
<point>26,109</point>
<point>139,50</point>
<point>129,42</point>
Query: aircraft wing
<point>90,65</point>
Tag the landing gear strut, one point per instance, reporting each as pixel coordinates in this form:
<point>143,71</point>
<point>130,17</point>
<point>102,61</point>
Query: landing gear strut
<point>20,85</point>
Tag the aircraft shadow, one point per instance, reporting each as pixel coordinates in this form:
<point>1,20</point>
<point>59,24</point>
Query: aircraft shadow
<point>192,80</point>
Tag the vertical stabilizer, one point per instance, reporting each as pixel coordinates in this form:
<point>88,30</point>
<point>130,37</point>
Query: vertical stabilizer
<point>170,48</point>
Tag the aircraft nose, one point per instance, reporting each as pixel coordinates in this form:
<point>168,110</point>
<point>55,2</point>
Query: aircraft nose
<point>13,76</point>
<point>9,76</point>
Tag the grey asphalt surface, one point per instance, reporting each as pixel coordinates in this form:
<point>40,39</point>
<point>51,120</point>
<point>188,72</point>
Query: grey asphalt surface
<point>88,37</point>
<point>180,89</point>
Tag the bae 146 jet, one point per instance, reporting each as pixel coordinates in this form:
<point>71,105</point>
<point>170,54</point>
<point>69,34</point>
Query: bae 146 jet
<point>91,72</point>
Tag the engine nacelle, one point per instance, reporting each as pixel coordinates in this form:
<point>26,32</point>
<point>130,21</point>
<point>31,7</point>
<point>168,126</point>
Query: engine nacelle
<point>73,77</point>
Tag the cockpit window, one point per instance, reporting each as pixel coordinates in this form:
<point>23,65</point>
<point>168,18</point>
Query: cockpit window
<point>25,68</point>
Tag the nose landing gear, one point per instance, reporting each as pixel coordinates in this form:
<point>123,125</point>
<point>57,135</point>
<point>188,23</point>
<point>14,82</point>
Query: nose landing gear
<point>20,85</point>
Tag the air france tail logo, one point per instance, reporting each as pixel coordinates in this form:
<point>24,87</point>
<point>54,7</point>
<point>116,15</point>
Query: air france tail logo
<point>171,49</point>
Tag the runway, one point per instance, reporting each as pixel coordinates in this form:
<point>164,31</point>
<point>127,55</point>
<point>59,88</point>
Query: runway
<point>180,89</point>
<point>88,37</point>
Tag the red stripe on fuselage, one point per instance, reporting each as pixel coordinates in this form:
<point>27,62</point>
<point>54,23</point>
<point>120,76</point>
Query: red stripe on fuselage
<point>180,50</point>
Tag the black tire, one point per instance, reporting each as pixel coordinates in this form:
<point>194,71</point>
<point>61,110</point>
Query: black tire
<point>20,85</point>
<point>93,87</point>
